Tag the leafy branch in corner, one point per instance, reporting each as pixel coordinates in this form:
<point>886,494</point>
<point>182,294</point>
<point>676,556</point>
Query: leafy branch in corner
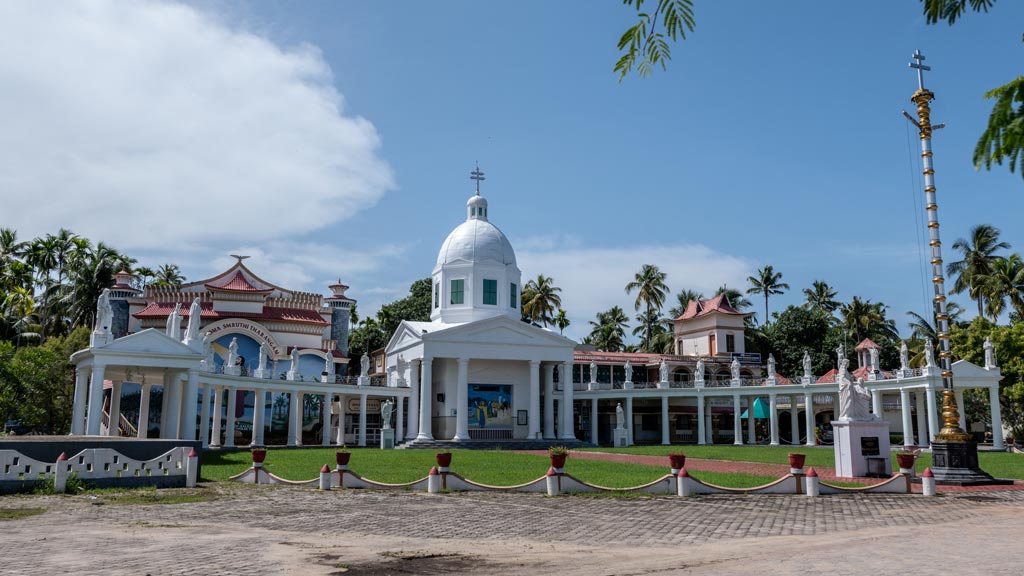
<point>644,45</point>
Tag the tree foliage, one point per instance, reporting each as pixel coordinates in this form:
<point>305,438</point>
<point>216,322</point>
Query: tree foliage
<point>767,282</point>
<point>644,45</point>
<point>967,344</point>
<point>374,332</point>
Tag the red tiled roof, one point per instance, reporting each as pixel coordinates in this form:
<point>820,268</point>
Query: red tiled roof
<point>641,358</point>
<point>303,316</point>
<point>866,344</point>
<point>717,304</point>
<point>862,372</point>
<point>238,283</point>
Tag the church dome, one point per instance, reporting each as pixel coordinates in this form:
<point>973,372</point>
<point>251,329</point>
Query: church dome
<point>476,239</point>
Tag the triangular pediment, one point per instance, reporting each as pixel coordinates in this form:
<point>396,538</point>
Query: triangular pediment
<point>965,369</point>
<point>149,341</point>
<point>501,330</point>
<point>403,337</point>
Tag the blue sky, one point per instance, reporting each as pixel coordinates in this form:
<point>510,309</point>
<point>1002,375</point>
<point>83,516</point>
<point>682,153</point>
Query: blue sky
<point>774,137</point>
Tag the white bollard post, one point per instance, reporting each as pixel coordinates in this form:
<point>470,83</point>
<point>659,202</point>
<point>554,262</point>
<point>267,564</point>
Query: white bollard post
<point>683,484</point>
<point>191,468</point>
<point>552,480</point>
<point>813,488</point>
<point>434,481</point>
<point>60,474</point>
<point>325,477</point>
<point>928,482</point>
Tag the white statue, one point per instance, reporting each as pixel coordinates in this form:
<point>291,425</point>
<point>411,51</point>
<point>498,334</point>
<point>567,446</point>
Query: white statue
<point>629,371</point>
<point>840,354</point>
<point>386,408</point>
<point>194,313</point>
<point>295,360</point>
<point>735,368</point>
<point>174,322</point>
<point>807,365</point>
<point>104,312</point>
<point>929,354</point>
<point>364,365</point>
<point>263,355</point>
<point>170,322</point>
<point>663,371</point>
<point>700,369</point>
<point>990,353</point>
<point>771,365</point>
<point>593,371</point>
<point>620,417</point>
<point>904,356</point>
<point>329,363</point>
<point>854,399</point>
<point>232,353</point>
<point>875,366</point>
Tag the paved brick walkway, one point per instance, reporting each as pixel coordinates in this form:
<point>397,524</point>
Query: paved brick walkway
<point>284,530</point>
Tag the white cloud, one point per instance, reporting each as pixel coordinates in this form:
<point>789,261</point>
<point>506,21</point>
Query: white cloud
<point>594,279</point>
<point>148,123</point>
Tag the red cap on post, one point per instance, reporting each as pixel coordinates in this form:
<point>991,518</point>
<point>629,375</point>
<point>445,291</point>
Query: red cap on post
<point>683,473</point>
<point>325,470</point>
<point>63,457</point>
<point>812,473</point>
<point>927,473</point>
<point>192,453</point>
<point>433,470</point>
<point>551,472</point>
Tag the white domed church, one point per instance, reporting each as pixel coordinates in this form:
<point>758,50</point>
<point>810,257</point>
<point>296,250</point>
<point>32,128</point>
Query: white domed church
<point>475,370</point>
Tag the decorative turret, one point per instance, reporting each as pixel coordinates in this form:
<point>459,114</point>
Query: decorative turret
<point>120,292</point>
<point>341,311</point>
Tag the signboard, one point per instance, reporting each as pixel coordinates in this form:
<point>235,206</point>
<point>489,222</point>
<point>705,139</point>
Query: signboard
<point>869,446</point>
<point>490,406</point>
<point>238,326</point>
<point>372,405</point>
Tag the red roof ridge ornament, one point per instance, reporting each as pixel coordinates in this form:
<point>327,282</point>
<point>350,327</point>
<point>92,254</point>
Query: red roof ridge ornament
<point>866,344</point>
<point>237,283</point>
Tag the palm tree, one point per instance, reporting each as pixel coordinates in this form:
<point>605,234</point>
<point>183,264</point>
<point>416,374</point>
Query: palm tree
<point>93,271</point>
<point>609,331</point>
<point>977,257</point>
<point>562,321</point>
<point>168,275</point>
<point>143,274</point>
<point>652,326</point>
<point>650,287</point>
<point>767,282</point>
<point>865,319</point>
<point>736,298</point>
<point>540,300</point>
<point>683,299</point>
<point>821,297</point>
<point>1005,283</point>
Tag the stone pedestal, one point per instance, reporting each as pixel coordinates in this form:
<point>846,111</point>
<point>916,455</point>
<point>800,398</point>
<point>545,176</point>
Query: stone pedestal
<point>233,370</point>
<point>593,386</point>
<point>98,338</point>
<point>387,438</point>
<point>806,380</point>
<point>257,373</point>
<point>627,385</point>
<point>363,381</point>
<point>663,384</point>
<point>620,438</point>
<point>956,464</point>
<point>861,448</point>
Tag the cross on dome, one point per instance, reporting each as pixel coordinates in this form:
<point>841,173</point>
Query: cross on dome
<point>478,176</point>
<point>921,68</point>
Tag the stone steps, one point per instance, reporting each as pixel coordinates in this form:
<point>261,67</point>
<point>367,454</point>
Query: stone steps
<point>490,444</point>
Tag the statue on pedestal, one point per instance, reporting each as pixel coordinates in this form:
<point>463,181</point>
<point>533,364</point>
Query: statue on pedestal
<point>364,365</point>
<point>629,371</point>
<point>329,363</point>
<point>386,408</point>
<point>771,365</point>
<point>593,371</point>
<point>104,312</point>
<point>875,365</point>
<point>840,355</point>
<point>734,368</point>
<point>904,357</point>
<point>807,365</point>
<point>929,354</point>
<point>699,376</point>
<point>264,353</point>
<point>990,353</point>
<point>854,399</point>
<point>194,313</point>
<point>663,372</point>
<point>232,353</point>
<point>620,417</point>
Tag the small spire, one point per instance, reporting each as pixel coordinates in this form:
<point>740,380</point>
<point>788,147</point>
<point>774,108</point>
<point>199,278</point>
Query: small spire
<point>478,176</point>
<point>921,68</point>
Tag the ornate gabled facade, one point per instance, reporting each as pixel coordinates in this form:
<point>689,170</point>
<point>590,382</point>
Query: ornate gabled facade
<point>710,328</point>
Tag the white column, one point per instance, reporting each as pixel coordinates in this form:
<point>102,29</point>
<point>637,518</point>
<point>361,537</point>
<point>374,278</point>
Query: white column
<point>737,422</point>
<point>533,416</point>
<point>165,406</point>
<point>961,408</point>
<point>702,434</point>
<point>341,420</point>
<point>82,374</point>
<point>95,400</point>
<point>876,403</point>
<point>709,422</point>
<point>997,418</point>
<point>426,401</point>
<point>773,418</point>
<point>664,421</point>
<point>751,427</point>
<point>294,422</point>
<point>142,427</point>
<point>190,398</point>
<point>933,414</point>
<point>567,432</point>
<point>629,420</point>
<point>114,423</point>
<point>361,440</point>
<point>549,399</point>
<point>218,415</point>
<point>809,419</point>
<point>462,400</point>
<point>204,416</point>
<point>593,421</point>
<point>400,419</point>
<point>794,419</point>
<point>327,409</point>
<point>260,416</point>
<point>414,400</point>
<point>229,428</point>
<point>922,418</point>
<point>908,426</point>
